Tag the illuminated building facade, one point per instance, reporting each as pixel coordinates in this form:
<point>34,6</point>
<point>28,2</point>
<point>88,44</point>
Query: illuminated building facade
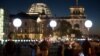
<point>39,8</point>
<point>31,28</point>
<point>78,18</point>
<point>27,29</point>
<point>1,23</point>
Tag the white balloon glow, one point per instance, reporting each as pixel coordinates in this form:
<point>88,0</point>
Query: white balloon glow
<point>53,23</point>
<point>88,24</point>
<point>17,22</point>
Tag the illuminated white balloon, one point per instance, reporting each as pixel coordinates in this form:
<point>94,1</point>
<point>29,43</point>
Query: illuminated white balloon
<point>88,23</point>
<point>53,23</point>
<point>17,22</point>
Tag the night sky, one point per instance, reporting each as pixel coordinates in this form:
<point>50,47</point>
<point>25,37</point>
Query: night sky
<point>58,7</point>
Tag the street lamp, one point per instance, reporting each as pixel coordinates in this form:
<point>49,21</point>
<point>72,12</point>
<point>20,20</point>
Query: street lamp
<point>17,23</point>
<point>53,24</point>
<point>88,25</point>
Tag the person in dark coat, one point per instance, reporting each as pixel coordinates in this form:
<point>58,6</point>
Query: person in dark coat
<point>44,46</point>
<point>60,51</point>
<point>10,47</point>
<point>18,49</point>
<point>86,48</point>
<point>35,49</point>
<point>68,51</point>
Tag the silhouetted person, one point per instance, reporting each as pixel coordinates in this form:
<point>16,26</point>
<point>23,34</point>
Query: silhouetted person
<point>44,48</point>
<point>35,49</point>
<point>86,48</point>
<point>18,49</point>
<point>68,51</point>
<point>0,45</point>
<point>10,47</point>
<point>61,50</point>
<point>97,50</point>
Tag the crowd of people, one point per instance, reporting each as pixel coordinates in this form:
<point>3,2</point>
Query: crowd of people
<point>43,49</point>
<point>68,48</point>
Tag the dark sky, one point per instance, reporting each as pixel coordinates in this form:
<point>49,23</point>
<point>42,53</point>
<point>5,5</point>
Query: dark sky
<point>58,7</point>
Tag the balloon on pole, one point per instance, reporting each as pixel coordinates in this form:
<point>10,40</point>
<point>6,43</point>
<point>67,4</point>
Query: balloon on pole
<point>17,22</point>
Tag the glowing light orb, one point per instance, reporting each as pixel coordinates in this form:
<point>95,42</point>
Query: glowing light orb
<point>88,23</point>
<point>17,22</point>
<point>53,23</point>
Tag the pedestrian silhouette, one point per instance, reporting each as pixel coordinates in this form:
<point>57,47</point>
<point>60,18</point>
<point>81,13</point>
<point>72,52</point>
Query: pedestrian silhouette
<point>61,50</point>
<point>44,48</point>
<point>18,49</point>
<point>86,48</point>
<point>68,51</point>
<point>10,47</point>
